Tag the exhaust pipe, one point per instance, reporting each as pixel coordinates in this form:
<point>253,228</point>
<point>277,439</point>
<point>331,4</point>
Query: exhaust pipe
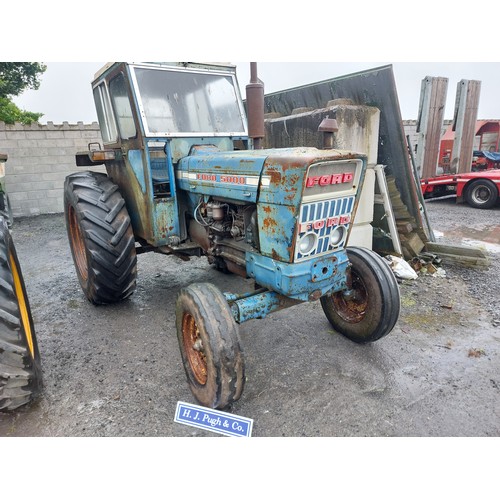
<point>255,107</point>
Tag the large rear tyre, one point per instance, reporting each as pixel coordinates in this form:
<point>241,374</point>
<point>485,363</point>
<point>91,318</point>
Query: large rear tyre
<point>370,309</point>
<point>100,237</point>
<point>20,367</point>
<point>209,345</point>
<point>481,193</point>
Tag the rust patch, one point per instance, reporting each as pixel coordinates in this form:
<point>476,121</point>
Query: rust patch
<point>267,209</point>
<point>269,223</point>
<point>275,176</point>
<point>275,254</point>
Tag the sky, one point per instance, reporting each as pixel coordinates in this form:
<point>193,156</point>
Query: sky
<point>65,90</point>
<point>292,46</point>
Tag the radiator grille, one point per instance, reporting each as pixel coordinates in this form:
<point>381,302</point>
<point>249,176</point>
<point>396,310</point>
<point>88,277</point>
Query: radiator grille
<point>322,218</point>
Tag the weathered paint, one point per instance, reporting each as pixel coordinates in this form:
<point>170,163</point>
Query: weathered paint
<point>231,175</point>
<point>299,281</point>
<point>274,179</point>
<point>135,159</point>
<point>259,305</point>
<point>166,228</point>
<point>122,173</point>
<point>277,230</point>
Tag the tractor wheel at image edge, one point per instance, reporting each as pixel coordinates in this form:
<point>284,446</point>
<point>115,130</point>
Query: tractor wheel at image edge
<point>20,367</point>
<point>209,344</point>
<point>371,308</point>
<point>481,193</point>
<point>100,236</point>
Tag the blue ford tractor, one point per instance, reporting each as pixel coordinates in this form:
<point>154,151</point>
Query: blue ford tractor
<point>186,178</point>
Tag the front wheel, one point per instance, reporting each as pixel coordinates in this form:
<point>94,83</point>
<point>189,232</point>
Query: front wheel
<point>370,308</point>
<point>209,345</point>
<point>20,367</point>
<point>481,193</point>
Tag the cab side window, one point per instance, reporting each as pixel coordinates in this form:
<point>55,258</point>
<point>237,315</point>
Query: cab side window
<point>105,116</point>
<point>122,108</point>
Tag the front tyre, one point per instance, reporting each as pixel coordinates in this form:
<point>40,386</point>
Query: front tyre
<point>209,344</point>
<point>370,309</point>
<point>100,236</point>
<point>20,367</point>
<point>481,193</point>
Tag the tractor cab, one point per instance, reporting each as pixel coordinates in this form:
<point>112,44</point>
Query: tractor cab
<point>150,116</point>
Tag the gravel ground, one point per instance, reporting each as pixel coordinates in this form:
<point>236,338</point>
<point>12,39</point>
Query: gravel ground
<point>116,370</point>
<point>460,224</point>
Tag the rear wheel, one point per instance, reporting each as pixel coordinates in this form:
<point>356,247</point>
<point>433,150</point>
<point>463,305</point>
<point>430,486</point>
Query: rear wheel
<point>100,237</point>
<point>370,308</point>
<point>20,370</point>
<point>481,193</point>
<point>209,345</point>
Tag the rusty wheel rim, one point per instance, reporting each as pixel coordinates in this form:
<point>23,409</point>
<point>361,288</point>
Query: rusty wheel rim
<point>193,347</point>
<point>352,309</point>
<point>77,243</point>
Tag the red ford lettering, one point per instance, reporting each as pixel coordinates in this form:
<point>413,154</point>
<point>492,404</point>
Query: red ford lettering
<point>328,180</point>
<point>232,179</point>
<point>206,177</point>
<point>321,223</point>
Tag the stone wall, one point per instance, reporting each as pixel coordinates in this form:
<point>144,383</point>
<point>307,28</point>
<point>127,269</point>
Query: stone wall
<point>39,159</point>
<point>41,156</point>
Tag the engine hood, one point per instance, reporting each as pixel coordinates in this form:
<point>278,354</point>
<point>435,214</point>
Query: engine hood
<point>276,176</point>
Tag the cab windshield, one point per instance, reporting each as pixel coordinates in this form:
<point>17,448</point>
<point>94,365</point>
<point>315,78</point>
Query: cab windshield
<point>186,102</point>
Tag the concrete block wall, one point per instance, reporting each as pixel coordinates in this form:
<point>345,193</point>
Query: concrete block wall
<point>39,159</point>
<point>41,156</point>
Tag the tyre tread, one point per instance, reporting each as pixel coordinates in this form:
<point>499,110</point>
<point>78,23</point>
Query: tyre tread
<point>108,236</point>
<point>388,289</point>
<point>20,373</point>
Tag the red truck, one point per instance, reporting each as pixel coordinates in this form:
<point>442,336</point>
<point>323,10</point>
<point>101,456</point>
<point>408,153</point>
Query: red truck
<point>480,187</point>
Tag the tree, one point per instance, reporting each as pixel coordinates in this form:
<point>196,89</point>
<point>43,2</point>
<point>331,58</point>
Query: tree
<point>15,78</point>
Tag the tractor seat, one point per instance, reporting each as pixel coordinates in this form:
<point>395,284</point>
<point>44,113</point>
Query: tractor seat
<point>159,171</point>
<point>160,176</point>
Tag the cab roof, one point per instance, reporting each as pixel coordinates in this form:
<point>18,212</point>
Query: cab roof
<point>209,65</point>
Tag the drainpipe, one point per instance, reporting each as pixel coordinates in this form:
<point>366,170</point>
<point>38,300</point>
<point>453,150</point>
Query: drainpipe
<point>255,107</point>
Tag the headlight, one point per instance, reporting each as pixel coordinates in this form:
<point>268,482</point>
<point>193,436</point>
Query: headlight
<point>338,236</point>
<point>308,243</point>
